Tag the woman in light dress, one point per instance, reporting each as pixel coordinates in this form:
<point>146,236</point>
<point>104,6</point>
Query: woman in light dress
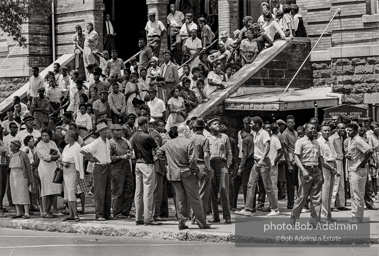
<point>176,108</point>
<point>48,153</point>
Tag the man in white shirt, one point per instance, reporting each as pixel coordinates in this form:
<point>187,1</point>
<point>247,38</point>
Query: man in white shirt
<point>192,44</point>
<point>175,20</point>
<point>187,27</point>
<point>274,154</point>
<point>156,105</point>
<point>13,127</point>
<point>35,82</point>
<point>63,80</point>
<point>29,124</point>
<point>329,170</point>
<point>100,149</point>
<point>115,64</point>
<point>109,34</point>
<point>154,31</point>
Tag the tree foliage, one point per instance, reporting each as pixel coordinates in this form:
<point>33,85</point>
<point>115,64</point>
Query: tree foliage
<point>13,13</point>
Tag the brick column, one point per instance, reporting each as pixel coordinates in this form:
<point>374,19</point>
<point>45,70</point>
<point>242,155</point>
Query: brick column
<point>160,8</point>
<point>228,16</point>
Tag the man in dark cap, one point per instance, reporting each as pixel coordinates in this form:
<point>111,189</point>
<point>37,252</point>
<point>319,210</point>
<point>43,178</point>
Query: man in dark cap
<point>201,144</point>
<point>122,179</point>
<point>40,108</point>
<point>221,159</point>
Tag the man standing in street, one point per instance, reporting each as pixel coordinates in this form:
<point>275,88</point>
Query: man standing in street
<point>143,145</point>
<point>338,196</point>
<point>100,149</point>
<point>289,138</point>
<point>181,171</point>
<point>329,170</point>
<point>201,145</point>
<point>109,34</point>
<point>40,108</point>
<point>35,82</point>
<point>358,152</point>
<point>309,160</point>
<point>154,32</point>
<point>262,166</point>
<point>122,178</point>
<point>246,163</point>
<point>221,159</point>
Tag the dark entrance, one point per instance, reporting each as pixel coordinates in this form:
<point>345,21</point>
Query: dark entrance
<point>129,19</point>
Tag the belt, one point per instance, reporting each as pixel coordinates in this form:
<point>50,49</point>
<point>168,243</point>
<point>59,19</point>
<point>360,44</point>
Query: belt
<point>311,166</point>
<point>101,164</point>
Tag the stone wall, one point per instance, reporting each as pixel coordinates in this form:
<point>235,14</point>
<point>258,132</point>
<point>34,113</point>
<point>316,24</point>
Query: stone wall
<point>322,73</point>
<point>356,76</point>
<point>9,85</point>
<point>279,71</point>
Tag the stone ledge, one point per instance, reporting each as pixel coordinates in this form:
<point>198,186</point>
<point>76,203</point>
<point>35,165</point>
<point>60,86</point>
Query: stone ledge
<point>370,18</point>
<point>16,72</point>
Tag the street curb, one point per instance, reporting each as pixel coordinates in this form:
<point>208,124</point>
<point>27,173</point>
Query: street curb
<point>115,230</point>
<point>93,228</point>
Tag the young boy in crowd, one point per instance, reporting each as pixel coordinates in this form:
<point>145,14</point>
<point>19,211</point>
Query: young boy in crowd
<point>298,22</point>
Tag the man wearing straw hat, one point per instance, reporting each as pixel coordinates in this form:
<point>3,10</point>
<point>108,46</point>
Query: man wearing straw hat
<point>99,153</point>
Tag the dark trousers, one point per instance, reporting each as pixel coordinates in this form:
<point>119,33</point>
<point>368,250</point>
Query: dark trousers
<point>3,183</point>
<point>312,188</point>
<point>220,184</point>
<point>122,187</point>
<point>102,185</point>
<point>291,178</point>
<point>187,194</point>
<point>160,196</point>
<point>368,192</point>
<point>110,43</point>
<point>205,181</point>
<point>115,118</point>
<point>242,181</point>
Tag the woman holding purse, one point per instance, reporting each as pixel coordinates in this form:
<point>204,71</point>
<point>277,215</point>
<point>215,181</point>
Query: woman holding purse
<point>19,179</point>
<point>48,154</point>
<point>72,162</point>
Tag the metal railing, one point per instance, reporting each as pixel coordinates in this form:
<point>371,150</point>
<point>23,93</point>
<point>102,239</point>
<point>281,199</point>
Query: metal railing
<point>197,54</point>
<point>134,56</point>
<point>338,11</point>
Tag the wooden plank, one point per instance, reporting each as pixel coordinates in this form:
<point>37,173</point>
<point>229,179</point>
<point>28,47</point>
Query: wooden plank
<point>239,79</point>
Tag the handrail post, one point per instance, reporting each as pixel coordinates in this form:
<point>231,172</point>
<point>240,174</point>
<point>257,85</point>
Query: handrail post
<point>338,11</point>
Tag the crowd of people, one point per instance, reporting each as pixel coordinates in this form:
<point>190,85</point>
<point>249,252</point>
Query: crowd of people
<point>119,133</point>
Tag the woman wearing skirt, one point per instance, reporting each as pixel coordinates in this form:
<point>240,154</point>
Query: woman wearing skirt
<point>72,162</point>
<point>19,179</point>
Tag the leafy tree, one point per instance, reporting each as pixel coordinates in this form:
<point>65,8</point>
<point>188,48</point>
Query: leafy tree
<point>13,13</point>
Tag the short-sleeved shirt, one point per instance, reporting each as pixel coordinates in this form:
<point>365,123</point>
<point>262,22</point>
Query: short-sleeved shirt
<point>100,106</point>
<point>54,94</point>
<point>183,30</point>
<point>249,46</point>
<point>289,139</point>
<point>143,145</point>
<point>328,151</point>
<point>275,145</point>
<point>193,44</point>
<point>154,28</point>
<point>115,66</point>
<point>34,84</point>
<point>176,19</point>
<point>308,151</point>
<point>157,107</point>
<point>356,148</point>
<point>260,138</point>
<point>201,144</point>
<point>144,57</point>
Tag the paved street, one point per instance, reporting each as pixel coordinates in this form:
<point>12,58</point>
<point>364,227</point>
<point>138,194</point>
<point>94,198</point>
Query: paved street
<point>23,242</point>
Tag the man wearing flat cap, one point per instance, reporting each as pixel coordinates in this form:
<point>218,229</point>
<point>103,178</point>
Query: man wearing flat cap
<point>122,179</point>
<point>154,31</point>
<point>201,144</point>
<point>221,159</point>
<point>100,152</point>
<point>40,108</point>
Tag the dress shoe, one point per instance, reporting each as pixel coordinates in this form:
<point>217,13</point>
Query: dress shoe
<point>243,212</point>
<point>100,219</point>
<point>334,209</point>
<point>355,221</point>
<point>343,208</point>
<point>182,227</point>
<point>206,227</point>
<point>228,221</point>
<point>214,221</point>
<point>330,219</point>
<point>153,223</point>
<point>266,209</point>
<point>139,222</point>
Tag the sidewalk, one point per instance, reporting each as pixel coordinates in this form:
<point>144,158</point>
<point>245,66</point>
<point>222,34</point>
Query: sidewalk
<point>220,232</point>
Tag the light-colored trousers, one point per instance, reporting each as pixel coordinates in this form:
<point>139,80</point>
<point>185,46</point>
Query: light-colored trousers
<point>339,187</point>
<point>327,192</point>
<point>144,194</point>
<point>357,191</point>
